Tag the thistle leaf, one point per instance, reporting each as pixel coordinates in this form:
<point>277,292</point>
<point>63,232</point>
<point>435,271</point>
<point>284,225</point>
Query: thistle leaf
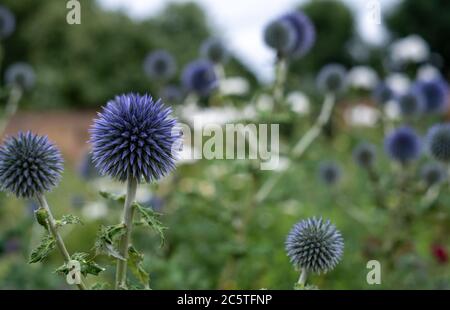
<point>107,236</point>
<point>47,244</point>
<point>150,218</point>
<point>68,219</point>
<point>135,264</point>
<point>111,196</point>
<point>87,266</point>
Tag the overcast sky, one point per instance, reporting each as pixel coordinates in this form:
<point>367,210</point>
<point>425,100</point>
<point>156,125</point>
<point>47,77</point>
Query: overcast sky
<point>240,23</point>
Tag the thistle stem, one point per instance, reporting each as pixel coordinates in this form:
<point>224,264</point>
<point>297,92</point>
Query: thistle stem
<point>11,107</point>
<point>302,278</point>
<point>53,229</point>
<point>302,145</point>
<point>124,243</point>
<point>280,79</point>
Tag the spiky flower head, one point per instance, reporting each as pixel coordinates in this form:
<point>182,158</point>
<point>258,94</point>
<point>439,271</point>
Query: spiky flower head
<point>382,93</point>
<point>435,94</point>
<point>330,172</point>
<point>331,78</point>
<point>305,33</point>
<point>7,22</point>
<point>214,50</point>
<point>364,154</point>
<point>280,35</point>
<point>403,144</point>
<point>411,103</point>
<point>432,173</point>
<point>29,165</point>
<point>134,136</point>
<point>199,77</point>
<point>315,245</point>
<point>160,65</point>
<point>21,75</point>
<point>438,142</point>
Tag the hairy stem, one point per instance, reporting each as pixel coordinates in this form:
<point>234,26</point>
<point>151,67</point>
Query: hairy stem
<point>302,279</point>
<point>124,243</point>
<point>280,79</point>
<point>55,233</point>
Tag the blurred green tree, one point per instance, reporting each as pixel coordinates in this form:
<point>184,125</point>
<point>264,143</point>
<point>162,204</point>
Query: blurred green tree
<point>429,19</point>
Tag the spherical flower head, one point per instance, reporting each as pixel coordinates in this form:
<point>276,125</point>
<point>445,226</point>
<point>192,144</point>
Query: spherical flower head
<point>403,145</point>
<point>199,77</point>
<point>305,33</point>
<point>315,245</point>
<point>7,22</point>
<point>438,142</point>
<point>411,103</point>
<point>432,173</point>
<point>134,137</point>
<point>330,172</point>
<point>214,50</point>
<point>382,93</point>
<point>435,94</point>
<point>160,65</point>
<point>20,75</point>
<point>30,165</point>
<point>280,35</point>
<point>364,155</point>
<point>172,94</point>
<point>331,78</point>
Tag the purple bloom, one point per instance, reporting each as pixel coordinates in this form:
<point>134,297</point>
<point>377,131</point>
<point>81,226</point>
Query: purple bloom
<point>214,50</point>
<point>7,22</point>
<point>280,35</point>
<point>435,94</point>
<point>160,65</point>
<point>412,103</point>
<point>199,77</point>
<point>20,74</point>
<point>330,172</point>
<point>315,245</point>
<point>382,94</point>
<point>29,165</point>
<point>432,173</point>
<point>403,145</point>
<point>305,33</point>
<point>364,154</point>
<point>331,78</point>
<point>438,142</point>
<point>134,136</point>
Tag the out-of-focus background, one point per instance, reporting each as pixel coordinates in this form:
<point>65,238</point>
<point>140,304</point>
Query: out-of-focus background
<point>217,237</point>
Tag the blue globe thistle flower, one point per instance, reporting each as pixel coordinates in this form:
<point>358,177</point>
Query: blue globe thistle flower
<point>403,144</point>
<point>214,50</point>
<point>411,103</point>
<point>382,94</point>
<point>330,172</point>
<point>172,94</point>
<point>435,94</point>
<point>7,22</point>
<point>29,165</point>
<point>438,142</point>
<point>331,78</point>
<point>160,65</point>
<point>305,33</point>
<point>280,35</point>
<point>315,245</point>
<point>364,154</point>
<point>199,77</point>
<point>20,74</point>
<point>134,136</point>
<point>432,173</point>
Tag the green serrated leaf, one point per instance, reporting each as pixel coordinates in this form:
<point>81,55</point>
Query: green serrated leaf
<point>135,264</point>
<point>47,244</point>
<point>106,239</point>
<point>99,286</point>
<point>68,219</point>
<point>87,266</point>
<point>150,219</point>
<point>111,196</point>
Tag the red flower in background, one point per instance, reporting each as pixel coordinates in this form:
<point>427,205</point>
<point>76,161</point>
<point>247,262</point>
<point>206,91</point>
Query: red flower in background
<point>440,253</point>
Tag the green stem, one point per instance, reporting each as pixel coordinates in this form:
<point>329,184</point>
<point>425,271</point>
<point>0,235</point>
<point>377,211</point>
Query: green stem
<point>11,107</point>
<point>55,233</point>
<point>280,80</point>
<point>302,279</point>
<point>124,243</point>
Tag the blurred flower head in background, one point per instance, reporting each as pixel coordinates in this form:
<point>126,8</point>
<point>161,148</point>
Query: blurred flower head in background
<point>438,142</point>
<point>435,94</point>
<point>411,103</point>
<point>403,144</point>
<point>29,165</point>
<point>214,50</point>
<point>432,173</point>
<point>280,35</point>
<point>362,77</point>
<point>364,154</point>
<point>382,94</point>
<point>332,78</point>
<point>160,65</point>
<point>199,77</point>
<point>7,22</point>
<point>315,245</point>
<point>305,33</point>
<point>134,136</point>
<point>330,173</point>
<point>20,75</point>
